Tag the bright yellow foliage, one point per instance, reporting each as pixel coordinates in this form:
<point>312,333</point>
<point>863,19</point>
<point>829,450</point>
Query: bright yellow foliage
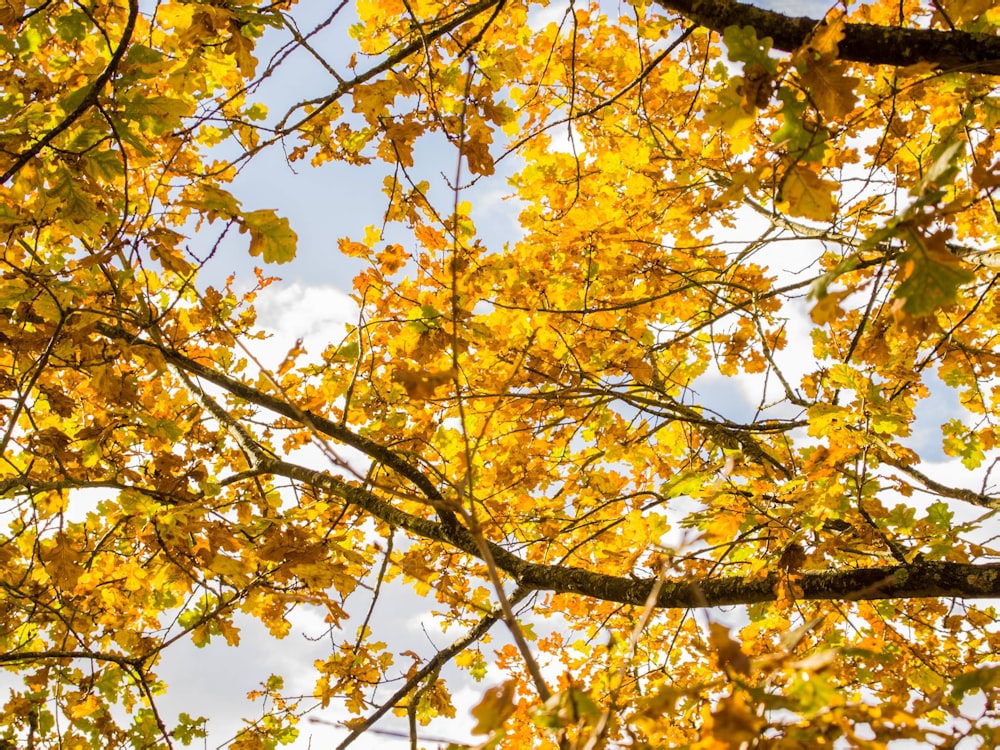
<point>748,310</point>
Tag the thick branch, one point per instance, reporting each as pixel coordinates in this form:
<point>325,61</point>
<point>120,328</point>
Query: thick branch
<point>862,43</point>
<point>17,657</point>
<point>920,580</point>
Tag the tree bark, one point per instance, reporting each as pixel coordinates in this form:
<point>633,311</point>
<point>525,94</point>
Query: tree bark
<point>920,580</point>
<point>862,43</point>
<point>916,581</point>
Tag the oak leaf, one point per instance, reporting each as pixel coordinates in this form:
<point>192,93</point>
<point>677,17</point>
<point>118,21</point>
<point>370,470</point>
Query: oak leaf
<point>804,193</point>
<point>727,650</point>
<point>495,707</point>
<point>829,88</point>
<point>271,236</point>
<point>931,275</point>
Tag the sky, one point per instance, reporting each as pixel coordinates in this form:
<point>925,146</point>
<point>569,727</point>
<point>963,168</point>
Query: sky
<point>312,303</point>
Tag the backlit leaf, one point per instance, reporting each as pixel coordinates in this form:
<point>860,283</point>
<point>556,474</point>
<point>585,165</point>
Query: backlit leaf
<point>271,236</point>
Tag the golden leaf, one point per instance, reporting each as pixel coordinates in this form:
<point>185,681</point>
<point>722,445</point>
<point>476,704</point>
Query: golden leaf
<point>727,650</point>
<point>804,193</point>
<point>495,708</point>
<point>830,89</point>
<point>421,385</point>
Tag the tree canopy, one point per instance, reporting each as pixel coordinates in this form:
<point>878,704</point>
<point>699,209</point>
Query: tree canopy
<point>547,434</point>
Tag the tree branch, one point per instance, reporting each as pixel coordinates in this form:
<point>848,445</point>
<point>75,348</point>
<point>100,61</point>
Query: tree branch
<point>862,43</point>
<point>958,493</point>
<point>439,659</point>
<point>919,580</point>
<point>16,657</point>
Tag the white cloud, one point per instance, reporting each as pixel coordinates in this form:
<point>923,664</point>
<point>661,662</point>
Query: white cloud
<point>318,315</point>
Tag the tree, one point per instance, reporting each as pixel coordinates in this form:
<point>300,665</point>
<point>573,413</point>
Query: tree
<point>529,409</point>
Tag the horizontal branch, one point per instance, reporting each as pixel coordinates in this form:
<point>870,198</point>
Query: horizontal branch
<point>17,657</point>
<point>862,43</point>
<point>916,581</point>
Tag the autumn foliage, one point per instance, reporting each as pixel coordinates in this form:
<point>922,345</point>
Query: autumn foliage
<point>740,351</point>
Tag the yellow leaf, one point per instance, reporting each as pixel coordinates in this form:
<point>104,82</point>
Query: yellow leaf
<point>496,706</point>
<point>736,721</point>
<point>822,43</point>
<point>293,354</point>
<point>422,384</point>
<point>963,11</point>
<point>804,193</point>
<point>728,650</point>
<point>829,88</point>
<point>828,308</point>
<point>86,707</point>
<point>271,236</point>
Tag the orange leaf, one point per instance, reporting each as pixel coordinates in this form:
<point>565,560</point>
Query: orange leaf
<point>728,650</point>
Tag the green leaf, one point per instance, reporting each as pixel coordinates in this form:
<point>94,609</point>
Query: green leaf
<point>566,708</point>
<point>348,352</point>
<point>802,142</point>
<point>964,443</point>
<point>812,693</point>
<point>188,728</point>
<point>214,203</point>
<point>991,111</point>
<point>888,424</point>
<point>142,62</point>
<point>940,514</point>
<point>974,682</point>
<point>945,157</point>
<point>157,114</point>
<point>73,26</point>
<point>271,236</point>
<point>76,204</point>
<point>10,216</point>
<point>104,164</point>
<point>424,318</point>
<point>685,483</point>
<point>903,517</point>
<point>933,276</point>
<point>743,45</point>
